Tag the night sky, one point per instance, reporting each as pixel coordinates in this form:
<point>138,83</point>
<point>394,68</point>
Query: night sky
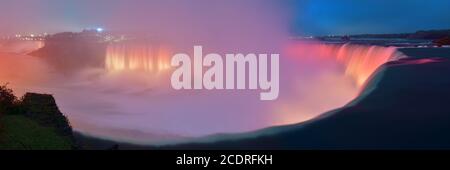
<point>323,17</point>
<point>310,17</point>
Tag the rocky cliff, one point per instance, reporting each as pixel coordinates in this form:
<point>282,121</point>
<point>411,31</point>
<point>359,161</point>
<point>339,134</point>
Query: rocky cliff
<point>36,123</point>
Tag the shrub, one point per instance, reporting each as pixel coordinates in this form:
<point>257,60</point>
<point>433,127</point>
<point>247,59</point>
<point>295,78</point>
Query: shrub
<point>8,101</point>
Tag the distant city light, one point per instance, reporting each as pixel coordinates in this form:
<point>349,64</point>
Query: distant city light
<point>99,29</point>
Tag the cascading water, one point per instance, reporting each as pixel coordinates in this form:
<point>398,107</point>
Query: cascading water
<point>20,47</point>
<point>127,99</point>
<point>137,57</point>
<point>322,77</point>
<point>360,61</point>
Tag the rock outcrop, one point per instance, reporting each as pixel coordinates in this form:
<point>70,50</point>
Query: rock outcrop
<point>43,109</point>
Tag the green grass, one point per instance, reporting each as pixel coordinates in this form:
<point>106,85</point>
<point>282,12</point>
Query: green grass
<point>18,132</point>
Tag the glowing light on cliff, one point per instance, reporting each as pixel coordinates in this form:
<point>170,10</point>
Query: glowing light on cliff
<point>137,57</point>
<point>40,44</point>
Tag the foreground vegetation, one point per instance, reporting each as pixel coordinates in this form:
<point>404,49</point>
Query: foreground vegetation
<point>32,122</point>
<point>20,132</point>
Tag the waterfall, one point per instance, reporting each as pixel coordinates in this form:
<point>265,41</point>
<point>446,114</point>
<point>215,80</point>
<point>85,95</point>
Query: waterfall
<point>21,47</point>
<point>137,57</point>
<point>359,61</point>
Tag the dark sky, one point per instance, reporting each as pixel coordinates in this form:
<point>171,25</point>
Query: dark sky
<point>322,17</point>
<point>316,17</point>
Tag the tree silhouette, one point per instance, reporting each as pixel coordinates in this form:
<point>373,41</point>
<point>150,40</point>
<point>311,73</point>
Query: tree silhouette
<point>8,101</point>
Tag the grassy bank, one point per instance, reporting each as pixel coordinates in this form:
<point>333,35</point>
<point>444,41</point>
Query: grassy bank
<point>33,122</point>
<point>20,132</point>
